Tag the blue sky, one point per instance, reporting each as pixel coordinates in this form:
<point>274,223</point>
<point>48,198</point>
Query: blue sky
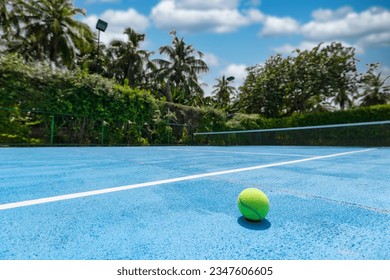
<point>235,34</point>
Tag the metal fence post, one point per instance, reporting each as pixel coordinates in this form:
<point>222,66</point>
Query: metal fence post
<point>102,132</point>
<point>52,129</point>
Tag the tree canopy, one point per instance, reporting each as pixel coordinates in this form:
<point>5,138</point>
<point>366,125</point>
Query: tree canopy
<point>320,79</point>
<point>325,78</point>
<point>180,73</point>
<point>48,30</point>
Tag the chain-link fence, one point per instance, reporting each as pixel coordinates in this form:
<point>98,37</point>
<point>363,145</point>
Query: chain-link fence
<point>33,127</point>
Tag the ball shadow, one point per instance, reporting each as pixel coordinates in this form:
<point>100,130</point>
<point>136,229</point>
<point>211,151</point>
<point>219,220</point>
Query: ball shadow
<point>252,225</point>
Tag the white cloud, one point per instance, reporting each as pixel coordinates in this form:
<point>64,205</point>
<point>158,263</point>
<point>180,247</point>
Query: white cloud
<point>308,45</point>
<point>369,28</point>
<point>325,15</point>
<point>274,26</point>
<point>288,48</point>
<point>238,71</point>
<point>117,22</point>
<point>210,16</point>
<point>385,72</point>
<point>205,5</point>
<point>375,40</point>
<point>211,59</point>
<point>345,23</point>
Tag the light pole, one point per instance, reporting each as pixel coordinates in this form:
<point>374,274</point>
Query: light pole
<point>100,26</point>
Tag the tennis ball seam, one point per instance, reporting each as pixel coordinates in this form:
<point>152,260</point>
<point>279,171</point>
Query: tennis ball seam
<point>250,208</point>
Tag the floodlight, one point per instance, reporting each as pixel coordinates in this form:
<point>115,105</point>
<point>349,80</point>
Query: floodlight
<point>101,25</point>
<point>231,78</point>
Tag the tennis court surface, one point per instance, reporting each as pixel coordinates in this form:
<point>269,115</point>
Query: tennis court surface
<point>181,203</point>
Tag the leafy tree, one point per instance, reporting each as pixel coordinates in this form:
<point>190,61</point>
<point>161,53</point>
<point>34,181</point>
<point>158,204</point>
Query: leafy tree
<point>320,76</point>
<point>341,77</point>
<point>127,61</point>
<point>4,14</point>
<point>375,89</point>
<point>223,92</point>
<point>261,92</point>
<point>96,61</point>
<point>179,74</point>
<point>307,81</point>
<point>304,85</point>
<point>8,21</point>
<point>50,31</point>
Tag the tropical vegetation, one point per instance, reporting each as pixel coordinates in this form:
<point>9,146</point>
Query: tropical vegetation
<point>56,80</point>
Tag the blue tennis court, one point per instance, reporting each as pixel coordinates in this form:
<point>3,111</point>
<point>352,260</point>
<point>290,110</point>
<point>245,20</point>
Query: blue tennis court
<point>158,203</point>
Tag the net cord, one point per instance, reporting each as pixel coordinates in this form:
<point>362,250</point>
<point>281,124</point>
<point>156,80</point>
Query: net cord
<point>295,128</point>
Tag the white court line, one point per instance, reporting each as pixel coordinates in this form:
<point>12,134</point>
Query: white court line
<point>166,181</point>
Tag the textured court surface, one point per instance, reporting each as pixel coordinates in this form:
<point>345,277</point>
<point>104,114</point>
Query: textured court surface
<point>180,203</point>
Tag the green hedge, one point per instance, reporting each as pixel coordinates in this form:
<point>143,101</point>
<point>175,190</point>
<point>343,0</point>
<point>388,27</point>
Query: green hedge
<point>87,109</point>
<point>39,105</point>
<point>183,121</point>
<point>361,114</point>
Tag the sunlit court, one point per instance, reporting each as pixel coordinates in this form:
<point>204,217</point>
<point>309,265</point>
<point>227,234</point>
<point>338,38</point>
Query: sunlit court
<point>180,203</point>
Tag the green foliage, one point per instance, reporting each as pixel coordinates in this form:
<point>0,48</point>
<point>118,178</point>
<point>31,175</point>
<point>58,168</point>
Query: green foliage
<point>322,79</point>
<point>89,109</point>
<point>223,92</point>
<point>247,122</point>
<point>15,127</point>
<point>92,110</point>
<point>81,103</point>
<point>47,30</point>
<point>179,74</point>
<point>375,90</point>
<point>305,82</point>
<point>362,114</point>
<point>349,136</point>
<point>185,120</point>
<point>127,62</point>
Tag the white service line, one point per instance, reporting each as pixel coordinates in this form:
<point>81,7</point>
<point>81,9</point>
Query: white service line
<point>166,181</point>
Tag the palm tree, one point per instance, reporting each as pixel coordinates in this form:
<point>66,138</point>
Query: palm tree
<point>8,20</point>
<point>127,60</point>
<point>223,91</point>
<point>180,71</point>
<point>343,99</point>
<point>375,90</point>
<point>49,30</point>
<point>4,15</point>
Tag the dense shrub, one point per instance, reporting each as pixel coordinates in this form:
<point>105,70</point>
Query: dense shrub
<point>86,108</point>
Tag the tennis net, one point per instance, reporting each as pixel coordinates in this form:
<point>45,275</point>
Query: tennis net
<point>348,134</point>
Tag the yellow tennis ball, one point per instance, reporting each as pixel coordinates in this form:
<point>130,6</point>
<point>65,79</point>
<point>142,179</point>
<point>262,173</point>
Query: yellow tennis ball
<point>253,204</point>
